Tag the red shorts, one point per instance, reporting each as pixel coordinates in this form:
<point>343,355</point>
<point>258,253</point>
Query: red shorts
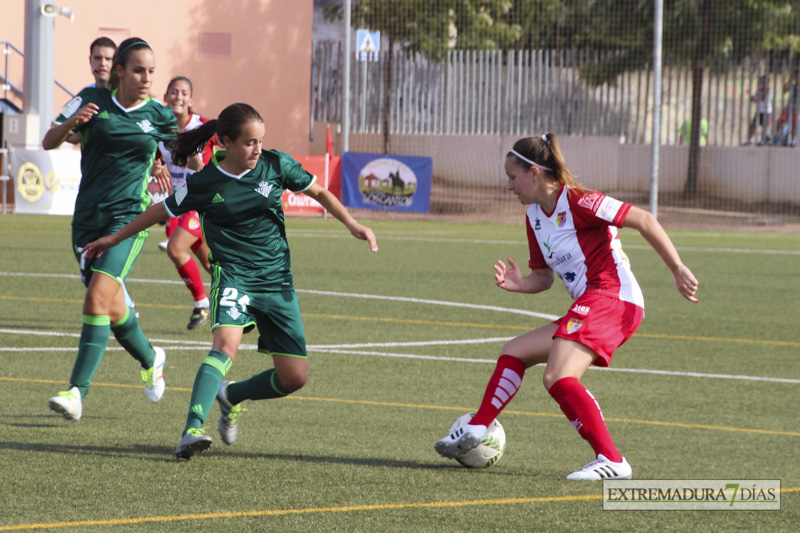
<point>189,221</point>
<point>601,323</point>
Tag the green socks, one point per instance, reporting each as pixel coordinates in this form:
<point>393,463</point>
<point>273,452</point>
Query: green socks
<point>263,386</point>
<point>130,335</point>
<point>94,339</point>
<point>206,385</point>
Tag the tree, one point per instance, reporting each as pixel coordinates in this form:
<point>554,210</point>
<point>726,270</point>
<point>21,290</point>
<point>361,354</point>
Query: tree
<point>430,28</point>
<point>694,30</point>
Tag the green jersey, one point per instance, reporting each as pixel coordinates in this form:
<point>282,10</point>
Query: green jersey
<point>242,216</point>
<point>118,147</point>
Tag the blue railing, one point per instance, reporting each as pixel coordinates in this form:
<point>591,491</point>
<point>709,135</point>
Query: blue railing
<point>7,86</point>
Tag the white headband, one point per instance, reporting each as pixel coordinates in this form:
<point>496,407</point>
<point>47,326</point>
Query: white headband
<point>534,163</point>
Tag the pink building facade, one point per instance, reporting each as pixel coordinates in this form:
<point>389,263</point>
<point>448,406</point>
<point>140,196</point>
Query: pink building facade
<point>253,51</point>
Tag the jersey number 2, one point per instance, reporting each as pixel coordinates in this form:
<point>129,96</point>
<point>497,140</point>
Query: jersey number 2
<point>230,297</point>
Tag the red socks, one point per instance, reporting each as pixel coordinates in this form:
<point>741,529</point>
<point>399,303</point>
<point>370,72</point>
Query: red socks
<point>190,275</point>
<point>584,413</point>
<point>503,385</point>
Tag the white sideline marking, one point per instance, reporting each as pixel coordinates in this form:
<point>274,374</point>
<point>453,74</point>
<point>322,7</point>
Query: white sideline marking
<point>347,349</point>
<point>525,312</point>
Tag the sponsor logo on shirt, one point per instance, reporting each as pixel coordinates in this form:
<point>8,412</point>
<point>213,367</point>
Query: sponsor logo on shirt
<point>71,107</point>
<point>563,259</point>
<point>538,224</point>
<point>608,209</point>
<point>264,188</point>
<point>103,114</point>
<point>569,277</point>
<point>561,219</point>
<point>547,245</point>
<point>590,201</point>
<point>217,199</point>
<point>581,309</point>
<point>145,125</point>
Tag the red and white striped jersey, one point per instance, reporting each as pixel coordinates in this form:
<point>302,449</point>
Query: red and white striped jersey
<point>580,243</point>
<point>178,174</point>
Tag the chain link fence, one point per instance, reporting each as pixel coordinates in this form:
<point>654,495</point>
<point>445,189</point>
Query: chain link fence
<point>450,74</point>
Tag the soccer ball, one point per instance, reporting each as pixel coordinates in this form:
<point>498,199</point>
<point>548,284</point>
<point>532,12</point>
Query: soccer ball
<point>489,451</point>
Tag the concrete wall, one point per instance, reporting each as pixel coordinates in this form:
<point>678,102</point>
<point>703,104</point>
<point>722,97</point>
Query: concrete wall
<point>742,174</point>
<point>269,65</point>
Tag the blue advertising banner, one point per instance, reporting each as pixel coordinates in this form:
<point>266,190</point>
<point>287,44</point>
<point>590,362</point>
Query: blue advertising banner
<point>388,182</point>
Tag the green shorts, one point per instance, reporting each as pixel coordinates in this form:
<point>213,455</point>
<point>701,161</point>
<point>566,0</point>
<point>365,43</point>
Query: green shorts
<point>116,262</point>
<point>276,314</point>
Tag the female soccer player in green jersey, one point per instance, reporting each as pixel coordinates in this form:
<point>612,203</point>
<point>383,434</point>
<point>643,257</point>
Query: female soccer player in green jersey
<point>238,197</point>
<point>119,131</point>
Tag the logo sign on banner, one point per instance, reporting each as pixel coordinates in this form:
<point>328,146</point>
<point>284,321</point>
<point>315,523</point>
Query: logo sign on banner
<point>46,182</point>
<point>302,204</point>
<point>368,45</point>
<point>390,182</point>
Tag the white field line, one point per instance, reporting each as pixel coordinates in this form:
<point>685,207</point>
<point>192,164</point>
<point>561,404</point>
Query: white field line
<point>525,312</point>
<point>353,349</point>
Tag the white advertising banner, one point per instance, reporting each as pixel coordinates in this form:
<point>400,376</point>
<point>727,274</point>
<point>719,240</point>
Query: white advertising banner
<point>46,182</point>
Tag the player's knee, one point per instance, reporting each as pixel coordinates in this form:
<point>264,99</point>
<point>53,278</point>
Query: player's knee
<point>549,378</point>
<point>293,381</point>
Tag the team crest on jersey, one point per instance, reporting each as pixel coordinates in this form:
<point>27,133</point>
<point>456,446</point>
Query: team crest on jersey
<point>574,325</point>
<point>561,219</point>
<point>591,200</point>
<point>194,223</point>
<point>264,188</point>
<point>235,314</point>
<point>145,125</point>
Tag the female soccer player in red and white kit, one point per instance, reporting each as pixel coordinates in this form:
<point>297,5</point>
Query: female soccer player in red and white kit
<point>184,233</point>
<point>572,232</point>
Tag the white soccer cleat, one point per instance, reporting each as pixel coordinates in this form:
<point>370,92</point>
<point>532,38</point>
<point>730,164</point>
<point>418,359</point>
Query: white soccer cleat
<point>229,415</point>
<point>153,378</point>
<point>163,245</point>
<point>68,404</point>
<point>602,468</point>
<point>195,441</point>
<point>461,440</point>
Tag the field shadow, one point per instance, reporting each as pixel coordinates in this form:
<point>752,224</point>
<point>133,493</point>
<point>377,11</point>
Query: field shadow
<point>451,466</point>
<point>150,453</point>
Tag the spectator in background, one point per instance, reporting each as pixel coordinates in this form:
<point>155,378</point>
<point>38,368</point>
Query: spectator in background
<point>763,116</point>
<point>792,86</point>
<point>685,132</point>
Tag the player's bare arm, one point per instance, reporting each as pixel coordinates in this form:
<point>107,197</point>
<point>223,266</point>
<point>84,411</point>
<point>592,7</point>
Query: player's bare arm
<point>153,215</point>
<point>335,208</point>
<point>646,224</point>
<point>56,135</point>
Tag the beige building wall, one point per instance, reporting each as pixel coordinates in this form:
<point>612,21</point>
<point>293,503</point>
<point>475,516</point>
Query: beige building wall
<point>253,51</point>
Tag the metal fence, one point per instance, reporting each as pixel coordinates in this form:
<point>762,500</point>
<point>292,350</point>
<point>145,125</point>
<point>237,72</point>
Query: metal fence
<point>520,91</point>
